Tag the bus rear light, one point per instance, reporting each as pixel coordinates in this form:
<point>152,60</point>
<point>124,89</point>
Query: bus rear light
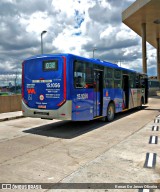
<point>26,102</point>
<point>23,80</point>
<point>23,84</point>
<point>61,103</point>
<point>63,114</point>
<point>64,78</point>
<point>77,107</point>
<point>64,83</point>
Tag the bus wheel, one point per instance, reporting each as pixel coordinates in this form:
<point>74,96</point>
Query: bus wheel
<point>110,112</point>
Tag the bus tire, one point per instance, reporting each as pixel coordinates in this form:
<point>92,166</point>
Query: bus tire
<point>110,112</point>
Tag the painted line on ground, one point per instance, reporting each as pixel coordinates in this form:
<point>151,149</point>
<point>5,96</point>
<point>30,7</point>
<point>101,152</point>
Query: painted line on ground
<point>153,140</point>
<point>150,161</point>
<point>156,121</point>
<point>155,128</point>
<point>145,190</point>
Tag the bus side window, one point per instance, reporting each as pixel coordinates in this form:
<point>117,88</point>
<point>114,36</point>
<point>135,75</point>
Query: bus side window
<point>137,81</point>
<point>117,79</point>
<point>131,80</point>
<point>83,74</point>
<point>142,82</point>
<point>108,78</point>
<point>80,82</point>
<point>108,83</point>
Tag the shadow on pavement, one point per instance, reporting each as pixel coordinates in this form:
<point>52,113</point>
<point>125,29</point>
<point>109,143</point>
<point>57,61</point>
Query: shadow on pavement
<point>72,129</point>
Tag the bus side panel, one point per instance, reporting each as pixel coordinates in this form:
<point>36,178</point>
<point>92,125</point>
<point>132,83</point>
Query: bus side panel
<point>132,98</point>
<point>82,104</point>
<point>135,97</point>
<point>118,100</point>
<point>111,94</point>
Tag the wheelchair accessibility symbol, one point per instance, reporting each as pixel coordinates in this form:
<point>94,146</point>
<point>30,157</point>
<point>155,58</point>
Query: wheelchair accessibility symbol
<point>30,97</point>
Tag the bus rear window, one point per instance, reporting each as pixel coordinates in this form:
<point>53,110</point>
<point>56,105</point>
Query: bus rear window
<point>51,65</point>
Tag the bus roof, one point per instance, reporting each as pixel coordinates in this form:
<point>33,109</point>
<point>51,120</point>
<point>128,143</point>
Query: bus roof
<point>93,60</point>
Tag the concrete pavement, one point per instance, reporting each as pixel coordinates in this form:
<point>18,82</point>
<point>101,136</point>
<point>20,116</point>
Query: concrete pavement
<point>10,116</point>
<point>43,151</point>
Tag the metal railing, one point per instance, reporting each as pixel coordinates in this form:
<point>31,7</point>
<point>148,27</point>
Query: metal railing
<point>10,83</point>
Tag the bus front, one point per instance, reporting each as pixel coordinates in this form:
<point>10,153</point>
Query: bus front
<point>44,88</point>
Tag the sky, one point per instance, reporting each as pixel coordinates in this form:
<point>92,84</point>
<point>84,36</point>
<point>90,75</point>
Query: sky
<point>73,26</point>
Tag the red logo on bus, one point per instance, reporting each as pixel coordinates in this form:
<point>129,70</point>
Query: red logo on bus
<point>31,91</point>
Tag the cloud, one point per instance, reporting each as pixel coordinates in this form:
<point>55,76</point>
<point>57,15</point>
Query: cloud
<point>74,26</point>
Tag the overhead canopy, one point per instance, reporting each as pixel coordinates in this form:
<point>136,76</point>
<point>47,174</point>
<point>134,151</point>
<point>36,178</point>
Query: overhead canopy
<point>144,11</point>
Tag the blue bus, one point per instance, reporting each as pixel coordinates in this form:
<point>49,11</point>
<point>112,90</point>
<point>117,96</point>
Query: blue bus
<point>70,87</point>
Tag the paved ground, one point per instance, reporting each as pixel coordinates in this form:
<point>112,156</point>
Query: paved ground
<point>43,151</point>
<point>10,116</point>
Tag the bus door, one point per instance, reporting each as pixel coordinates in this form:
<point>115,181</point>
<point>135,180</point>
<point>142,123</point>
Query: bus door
<point>98,92</point>
<point>125,84</point>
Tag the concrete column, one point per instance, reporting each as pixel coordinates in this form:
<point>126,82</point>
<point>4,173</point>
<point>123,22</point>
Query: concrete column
<point>144,52</point>
<point>158,59</point>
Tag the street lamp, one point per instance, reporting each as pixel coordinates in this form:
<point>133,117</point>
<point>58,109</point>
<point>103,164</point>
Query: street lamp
<point>43,32</point>
<point>94,48</point>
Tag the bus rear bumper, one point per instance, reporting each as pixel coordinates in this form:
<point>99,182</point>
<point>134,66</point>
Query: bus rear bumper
<point>63,113</point>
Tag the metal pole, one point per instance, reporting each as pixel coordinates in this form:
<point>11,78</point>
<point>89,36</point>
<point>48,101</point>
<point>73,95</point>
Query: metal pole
<point>158,59</point>
<point>94,50</point>
<point>144,53</point>
<point>43,32</point>
<point>41,44</point>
